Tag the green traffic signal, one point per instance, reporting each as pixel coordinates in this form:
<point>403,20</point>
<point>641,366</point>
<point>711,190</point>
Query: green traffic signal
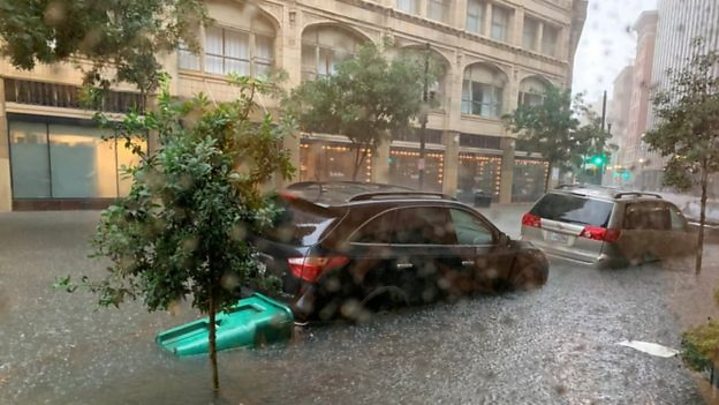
<point>598,160</point>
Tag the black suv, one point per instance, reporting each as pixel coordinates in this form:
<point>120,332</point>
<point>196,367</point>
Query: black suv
<point>344,248</point>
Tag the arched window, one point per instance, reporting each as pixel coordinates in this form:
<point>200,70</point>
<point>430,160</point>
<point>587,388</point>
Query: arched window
<point>323,47</point>
<point>531,91</point>
<point>245,47</point>
<point>483,90</point>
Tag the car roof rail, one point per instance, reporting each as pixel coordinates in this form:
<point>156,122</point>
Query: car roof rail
<point>636,194</point>
<point>389,194</point>
<point>585,185</point>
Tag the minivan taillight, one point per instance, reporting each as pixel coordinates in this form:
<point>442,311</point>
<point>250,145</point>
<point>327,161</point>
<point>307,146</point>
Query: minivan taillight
<point>310,268</point>
<point>600,233</point>
<point>531,220</point>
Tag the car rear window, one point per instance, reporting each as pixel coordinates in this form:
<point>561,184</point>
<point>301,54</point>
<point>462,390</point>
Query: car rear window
<point>300,223</point>
<point>573,209</point>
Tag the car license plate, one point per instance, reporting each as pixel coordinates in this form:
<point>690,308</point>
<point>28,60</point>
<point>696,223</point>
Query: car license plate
<point>557,237</point>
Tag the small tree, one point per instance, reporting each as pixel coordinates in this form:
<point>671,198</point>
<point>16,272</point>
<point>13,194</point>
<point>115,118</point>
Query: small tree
<point>551,128</point>
<point>688,130</point>
<point>366,98</point>
<point>122,39</point>
<point>183,228</point>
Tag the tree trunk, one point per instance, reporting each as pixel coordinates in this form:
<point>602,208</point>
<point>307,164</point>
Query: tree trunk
<point>213,344</point>
<point>547,177</point>
<point>702,219</point>
<point>360,157</point>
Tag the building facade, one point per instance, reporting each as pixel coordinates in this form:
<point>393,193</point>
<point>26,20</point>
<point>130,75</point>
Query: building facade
<point>495,54</point>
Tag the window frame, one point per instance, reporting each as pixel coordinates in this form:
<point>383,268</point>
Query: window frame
<point>395,211</point>
<point>493,231</point>
<point>223,56</point>
<point>413,6</point>
<point>507,16</point>
<point>476,9</point>
<point>645,208</point>
<point>554,44</point>
<point>532,46</point>
<point>253,59</point>
<point>496,106</point>
<point>317,50</point>
<point>442,6</point>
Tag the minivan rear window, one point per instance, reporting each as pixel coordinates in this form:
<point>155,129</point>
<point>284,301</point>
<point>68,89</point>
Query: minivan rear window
<point>573,209</point>
<point>300,223</point>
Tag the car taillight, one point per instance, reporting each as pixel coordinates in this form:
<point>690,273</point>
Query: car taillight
<point>310,268</point>
<point>531,220</point>
<point>600,233</point>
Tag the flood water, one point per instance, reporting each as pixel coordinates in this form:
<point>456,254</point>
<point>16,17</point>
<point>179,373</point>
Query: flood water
<point>555,345</point>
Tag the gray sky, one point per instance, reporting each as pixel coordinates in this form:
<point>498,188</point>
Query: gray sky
<point>607,44</point>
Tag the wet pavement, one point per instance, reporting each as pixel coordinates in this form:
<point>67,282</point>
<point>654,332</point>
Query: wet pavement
<point>555,345</point>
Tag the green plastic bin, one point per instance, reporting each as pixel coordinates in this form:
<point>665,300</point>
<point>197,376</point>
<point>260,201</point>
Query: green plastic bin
<point>253,321</point>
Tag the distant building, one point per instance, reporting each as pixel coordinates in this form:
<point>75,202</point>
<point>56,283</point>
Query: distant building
<point>633,153</point>
<point>680,22</point>
<point>496,54</point>
<point>618,117</point>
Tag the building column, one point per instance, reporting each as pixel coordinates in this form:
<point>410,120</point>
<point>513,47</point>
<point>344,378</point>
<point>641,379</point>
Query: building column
<point>487,26</point>
<point>518,27</point>
<point>290,46</point>
<point>460,14</point>
<point>451,162</point>
<point>538,40</point>
<point>507,174</point>
<point>380,162</point>
<point>423,8</point>
<point>5,190</point>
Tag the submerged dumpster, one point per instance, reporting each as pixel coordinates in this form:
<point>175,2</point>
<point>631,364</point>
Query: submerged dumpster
<point>251,322</point>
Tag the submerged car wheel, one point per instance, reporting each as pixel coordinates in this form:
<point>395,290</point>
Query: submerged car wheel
<point>385,297</point>
<point>529,273</point>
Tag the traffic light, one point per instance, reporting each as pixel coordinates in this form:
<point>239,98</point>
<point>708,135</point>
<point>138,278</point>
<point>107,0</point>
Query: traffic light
<point>598,160</point>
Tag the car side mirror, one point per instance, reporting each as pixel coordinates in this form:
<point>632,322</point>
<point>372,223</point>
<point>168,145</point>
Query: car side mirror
<point>503,239</point>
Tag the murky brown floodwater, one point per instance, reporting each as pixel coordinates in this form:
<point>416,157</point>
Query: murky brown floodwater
<point>556,345</point>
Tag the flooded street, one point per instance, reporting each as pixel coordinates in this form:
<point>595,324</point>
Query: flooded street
<point>555,345</point>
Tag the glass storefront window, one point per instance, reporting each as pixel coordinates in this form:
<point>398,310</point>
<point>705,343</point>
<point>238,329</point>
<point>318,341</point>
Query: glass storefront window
<point>125,160</point>
<point>29,160</point>
<point>479,172</point>
<point>331,162</point>
<point>529,177</point>
<point>82,164</point>
<point>403,170</point>
<point>77,162</point>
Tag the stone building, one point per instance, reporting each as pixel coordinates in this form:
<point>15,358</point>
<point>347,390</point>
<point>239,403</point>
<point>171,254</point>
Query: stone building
<point>495,53</point>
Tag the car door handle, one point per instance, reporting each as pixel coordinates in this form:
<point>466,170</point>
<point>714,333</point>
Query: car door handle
<point>467,263</point>
<point>404,266</point>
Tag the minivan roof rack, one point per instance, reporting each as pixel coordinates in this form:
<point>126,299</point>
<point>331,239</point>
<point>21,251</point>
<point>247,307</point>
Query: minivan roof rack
<point>636,194</point>
<point>380,194</point>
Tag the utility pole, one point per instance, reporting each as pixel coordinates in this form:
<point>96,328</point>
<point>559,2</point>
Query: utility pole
<point>423,120</point>
<point>604,110</point>
<point>598,178</point>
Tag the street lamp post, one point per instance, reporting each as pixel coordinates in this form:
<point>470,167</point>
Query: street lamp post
<point>423,120</point>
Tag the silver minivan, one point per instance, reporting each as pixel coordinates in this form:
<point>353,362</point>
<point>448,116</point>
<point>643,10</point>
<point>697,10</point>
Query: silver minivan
<point>607,227</point>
